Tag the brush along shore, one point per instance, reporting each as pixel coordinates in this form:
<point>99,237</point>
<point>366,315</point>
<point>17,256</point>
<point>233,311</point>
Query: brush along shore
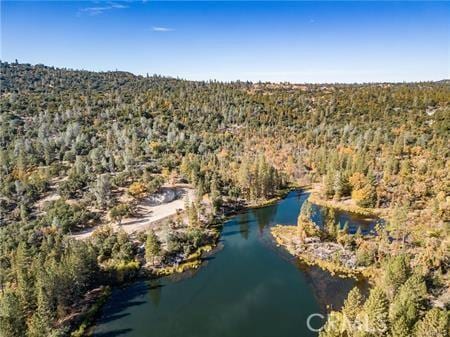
<point>329,256</point>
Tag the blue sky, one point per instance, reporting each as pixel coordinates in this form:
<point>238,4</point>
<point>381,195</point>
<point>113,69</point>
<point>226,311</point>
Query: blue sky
<point>269,41</point>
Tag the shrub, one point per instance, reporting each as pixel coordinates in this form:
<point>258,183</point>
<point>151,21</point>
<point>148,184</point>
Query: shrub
<point>118,212</point>
<point>365,255</point>
<point>137,190</point>
<point>67,217</point>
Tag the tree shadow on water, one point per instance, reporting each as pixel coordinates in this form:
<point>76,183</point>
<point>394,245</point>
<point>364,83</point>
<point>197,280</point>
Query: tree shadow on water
<point>208,258</point>
<point>121,300</point>
<point>111,318</point>
<point>230,233</point>
<point>243,219</point>
<point>114,333</point>
<point>118,307</point>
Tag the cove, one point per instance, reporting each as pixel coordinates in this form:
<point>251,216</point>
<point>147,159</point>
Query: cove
<point>248,288</point>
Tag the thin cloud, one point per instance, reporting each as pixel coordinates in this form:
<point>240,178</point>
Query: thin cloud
<point>101,9</point>
<point>162,29</point>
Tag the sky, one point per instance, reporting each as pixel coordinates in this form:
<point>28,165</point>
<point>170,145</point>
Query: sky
<point>296,41</point>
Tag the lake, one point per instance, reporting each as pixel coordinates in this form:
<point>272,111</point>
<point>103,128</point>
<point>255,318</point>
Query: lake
<point>249,287</point>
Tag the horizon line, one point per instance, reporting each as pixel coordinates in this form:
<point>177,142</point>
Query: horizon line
<point>226,82</point>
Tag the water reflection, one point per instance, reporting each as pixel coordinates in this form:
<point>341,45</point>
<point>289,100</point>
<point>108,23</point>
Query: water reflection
<point>243,224</point>
<point>330,292</point>
<point>244,290</point>
<point>353,221</point>
<point>155,290</point>
<point>264,216</point>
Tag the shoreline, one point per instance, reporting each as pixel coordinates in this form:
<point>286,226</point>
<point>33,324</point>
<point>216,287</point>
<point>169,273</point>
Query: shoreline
<point>196,259</point>
<point>90,315</point>
<point>191,263</point>
<point>316,198</point>
<point>282,235</point>
<point>336,205</point>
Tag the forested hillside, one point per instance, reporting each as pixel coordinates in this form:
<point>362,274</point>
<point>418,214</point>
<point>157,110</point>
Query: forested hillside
<point>71,142</point>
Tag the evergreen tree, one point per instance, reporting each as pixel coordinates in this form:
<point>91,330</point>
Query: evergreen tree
<point>340,185</point>
<point>397,221</point>
<point>12,317</point>
<point>330,225</point>
<point>335,326</point>
<point>328,183</point>
<point>353,304</point>
<point>102,191</point>
<point>399,327</point>
<point>306,227</point>
<point>38,326</point>
<point>152,246</point>
<point>215,197</point>
<point>396,272</point>
<point>376,312</point>
<point>435,323</point>
<point>358,235</point>
<point>405,307</point>
<point>192,212</point>
<point>24,279</point>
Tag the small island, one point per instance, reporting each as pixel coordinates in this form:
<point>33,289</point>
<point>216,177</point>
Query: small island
<point>331,247</point>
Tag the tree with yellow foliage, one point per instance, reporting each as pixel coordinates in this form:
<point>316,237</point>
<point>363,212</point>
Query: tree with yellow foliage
<point>363,192</point>
<point>137,190</point>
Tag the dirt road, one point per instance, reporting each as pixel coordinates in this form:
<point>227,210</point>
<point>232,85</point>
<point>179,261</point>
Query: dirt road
<point>148,213</point>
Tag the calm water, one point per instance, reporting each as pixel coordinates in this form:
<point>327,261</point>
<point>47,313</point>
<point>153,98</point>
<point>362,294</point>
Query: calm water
<point>248,288</point>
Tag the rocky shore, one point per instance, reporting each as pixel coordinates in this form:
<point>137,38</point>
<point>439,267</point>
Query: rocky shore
<point>330,256</point>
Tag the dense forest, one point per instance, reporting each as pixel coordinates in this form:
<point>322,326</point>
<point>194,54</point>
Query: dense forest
<point>89,136</point>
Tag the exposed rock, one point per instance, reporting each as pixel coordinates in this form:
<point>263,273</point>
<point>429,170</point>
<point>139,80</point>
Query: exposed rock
<point>314,249</point>
<point>165,195</point>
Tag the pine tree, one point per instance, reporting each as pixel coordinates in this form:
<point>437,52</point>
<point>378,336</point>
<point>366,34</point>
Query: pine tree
<point>12,317</point>
<point>328,183</point>
<point>353,304</point>
<point>305,227</point>
<point>244,180</point>
<point>340,185</point>
<point>397,222</point>
<point>152,246</point>
<point>306,211</point>
<point>405,307</point>
<point>342,234</point>
<point>102,191</point>
<point>200,191</point>
<point>399,327</point>
<point>43,298</point>
<point>335,325</point>
<point>330,225</point>
<point>376,311</point>
<point>435,323</point>
<point>358,235</point>
<point>24,280</point>
<point>39,324</point>
<point>192,212</point>
<point>215,196</point>
<point>396,272</point>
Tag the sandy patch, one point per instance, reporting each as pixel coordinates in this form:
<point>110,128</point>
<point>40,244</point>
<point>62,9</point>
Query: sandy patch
<point>151,210</point>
